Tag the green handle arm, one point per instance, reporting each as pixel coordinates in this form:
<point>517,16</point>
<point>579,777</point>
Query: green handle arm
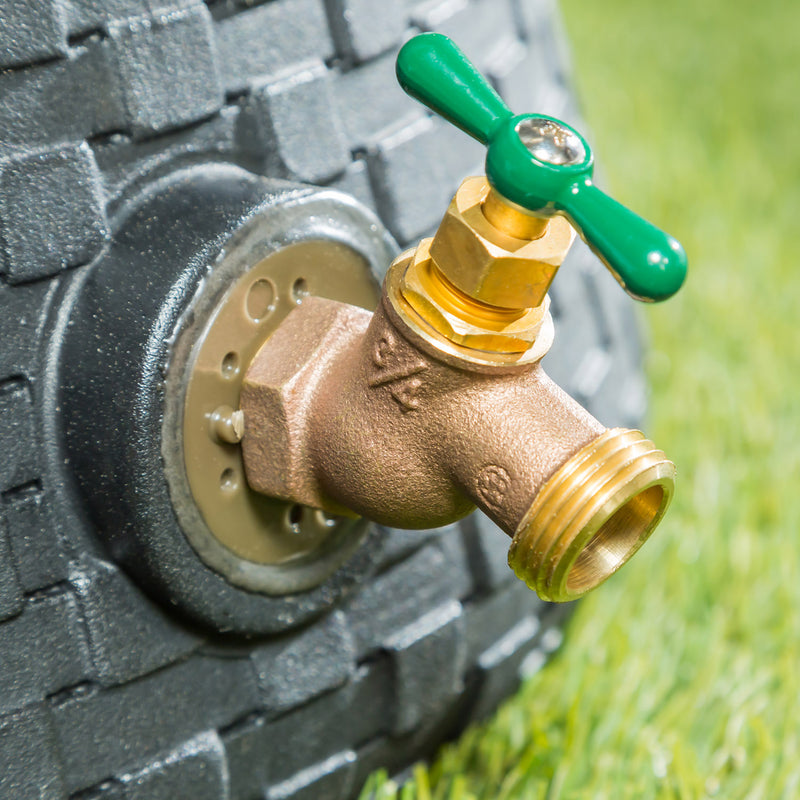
<point>649,263</point>
<point>434,71</point>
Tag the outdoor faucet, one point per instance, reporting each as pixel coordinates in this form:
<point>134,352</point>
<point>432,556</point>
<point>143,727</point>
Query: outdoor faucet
<point>436,403</point>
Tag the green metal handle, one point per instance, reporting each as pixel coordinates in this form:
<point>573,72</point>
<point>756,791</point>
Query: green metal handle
<point>431,68</point>
<point>543,165</point>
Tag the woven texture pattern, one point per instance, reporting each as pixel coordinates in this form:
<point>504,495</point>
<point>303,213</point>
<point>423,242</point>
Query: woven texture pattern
<point>103,695</point>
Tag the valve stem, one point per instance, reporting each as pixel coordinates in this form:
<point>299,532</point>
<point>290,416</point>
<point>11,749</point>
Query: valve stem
<point>512,219</point>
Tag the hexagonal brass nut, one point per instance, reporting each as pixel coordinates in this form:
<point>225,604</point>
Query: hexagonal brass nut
<point>276,398</point>
<point>489,265</point>
<point>493,335</point>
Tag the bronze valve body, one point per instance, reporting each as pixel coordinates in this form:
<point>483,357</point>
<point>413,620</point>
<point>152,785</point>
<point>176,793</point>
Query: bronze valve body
<point>437,404</point>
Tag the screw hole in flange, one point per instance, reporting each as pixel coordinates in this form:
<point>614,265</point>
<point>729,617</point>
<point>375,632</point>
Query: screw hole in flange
<point>228,481</point>
<point>299,290</point>
<point>260,300</point>
<point>230,365</point>
<point>295,517</point>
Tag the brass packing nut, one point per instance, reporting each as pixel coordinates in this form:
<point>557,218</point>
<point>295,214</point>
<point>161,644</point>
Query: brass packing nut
<point>487,263</point>
<point>459,318</point>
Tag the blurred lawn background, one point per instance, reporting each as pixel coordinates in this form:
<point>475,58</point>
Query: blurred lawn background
<point>680,678</point>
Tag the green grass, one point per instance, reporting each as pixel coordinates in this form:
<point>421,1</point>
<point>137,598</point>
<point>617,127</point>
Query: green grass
<point>680,678</point>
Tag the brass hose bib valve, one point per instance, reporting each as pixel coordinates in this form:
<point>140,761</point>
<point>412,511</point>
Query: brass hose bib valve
<point>436,403</point>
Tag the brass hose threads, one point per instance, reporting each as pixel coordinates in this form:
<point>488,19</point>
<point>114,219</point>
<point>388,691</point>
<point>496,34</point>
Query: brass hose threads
<point>592,515</point>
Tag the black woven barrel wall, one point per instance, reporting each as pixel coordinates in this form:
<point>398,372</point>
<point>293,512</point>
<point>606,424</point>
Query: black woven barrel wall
<point>105,693</point>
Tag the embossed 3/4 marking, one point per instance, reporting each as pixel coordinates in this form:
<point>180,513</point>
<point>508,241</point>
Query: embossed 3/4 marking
<point>399,374</point>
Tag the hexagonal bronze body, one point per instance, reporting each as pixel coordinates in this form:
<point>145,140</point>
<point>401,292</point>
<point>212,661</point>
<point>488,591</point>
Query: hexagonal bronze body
<point>279,392</point>
<point>343,412</point>
<point>352,412</point>
<point>436,404</point>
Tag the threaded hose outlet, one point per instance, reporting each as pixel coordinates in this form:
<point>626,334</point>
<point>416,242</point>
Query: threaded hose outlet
<point>592,515</point>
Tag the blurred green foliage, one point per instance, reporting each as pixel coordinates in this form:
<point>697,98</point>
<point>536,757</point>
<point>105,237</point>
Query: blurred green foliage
<point>680,678</point>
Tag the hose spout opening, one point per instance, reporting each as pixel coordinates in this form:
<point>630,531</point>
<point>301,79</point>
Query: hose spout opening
<point>592,515</point>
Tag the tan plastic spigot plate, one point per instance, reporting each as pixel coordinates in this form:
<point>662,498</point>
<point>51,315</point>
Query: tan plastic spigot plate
<point>252,527</point>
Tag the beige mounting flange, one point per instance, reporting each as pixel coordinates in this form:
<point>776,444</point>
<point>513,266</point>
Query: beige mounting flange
<point>242,525</point>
